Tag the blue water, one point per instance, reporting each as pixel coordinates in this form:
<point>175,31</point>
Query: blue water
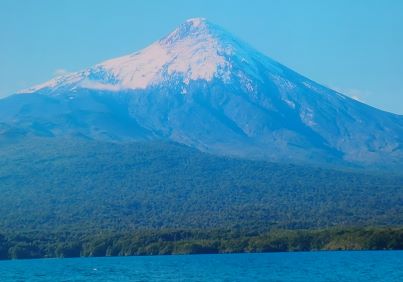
<point>314,266</point>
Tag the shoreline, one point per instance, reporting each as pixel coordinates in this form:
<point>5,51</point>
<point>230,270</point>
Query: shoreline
<point>201,254</point>
<point>39,245</point>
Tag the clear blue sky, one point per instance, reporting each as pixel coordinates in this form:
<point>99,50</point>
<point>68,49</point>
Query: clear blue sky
<point>355,47</point>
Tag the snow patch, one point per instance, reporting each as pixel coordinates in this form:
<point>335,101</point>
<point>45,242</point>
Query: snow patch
<point>95,85</point>
<point>283,84</point>
<point>291,104</point>
<point>196,22</point>
<point>307,116</point>
<point>138,70</point>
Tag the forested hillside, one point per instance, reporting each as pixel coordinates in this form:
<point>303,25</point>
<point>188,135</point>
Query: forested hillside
<point>60,184</point>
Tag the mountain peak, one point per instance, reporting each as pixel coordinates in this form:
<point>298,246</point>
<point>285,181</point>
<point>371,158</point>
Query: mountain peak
<point>196,21</point>
<point>202,87</point>
<point>195,50</point>
<point>196,24</point>
<point>194,28</point>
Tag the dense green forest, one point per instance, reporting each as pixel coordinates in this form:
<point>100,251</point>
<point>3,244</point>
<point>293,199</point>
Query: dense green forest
<point>49,184</point>
<point>196,241</point>
<point>65,198</point>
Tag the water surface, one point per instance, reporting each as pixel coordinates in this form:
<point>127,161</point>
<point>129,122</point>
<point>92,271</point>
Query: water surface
<point>310,266</point>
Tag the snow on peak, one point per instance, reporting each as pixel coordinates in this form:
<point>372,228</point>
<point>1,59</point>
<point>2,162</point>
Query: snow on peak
<point>196,50</point>
<point>191,51</point>
<point>196,21</point>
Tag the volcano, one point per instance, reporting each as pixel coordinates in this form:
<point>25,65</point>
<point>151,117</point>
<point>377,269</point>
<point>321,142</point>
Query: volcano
<point>202,87</point>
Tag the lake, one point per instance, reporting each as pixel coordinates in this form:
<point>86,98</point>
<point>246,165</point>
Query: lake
<point>303,266</point>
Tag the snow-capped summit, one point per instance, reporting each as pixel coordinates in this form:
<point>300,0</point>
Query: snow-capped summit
<point>192,28</point>
<point>197,49</point>
<point>203,87</point>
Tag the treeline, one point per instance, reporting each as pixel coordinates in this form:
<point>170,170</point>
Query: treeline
<point>167,242</point>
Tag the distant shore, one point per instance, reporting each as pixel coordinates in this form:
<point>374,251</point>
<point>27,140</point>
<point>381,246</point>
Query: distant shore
<point>28,245</point>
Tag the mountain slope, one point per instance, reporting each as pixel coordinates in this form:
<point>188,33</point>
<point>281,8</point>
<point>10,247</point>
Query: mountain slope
<point>65,184</point>
<point>202,87</point>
